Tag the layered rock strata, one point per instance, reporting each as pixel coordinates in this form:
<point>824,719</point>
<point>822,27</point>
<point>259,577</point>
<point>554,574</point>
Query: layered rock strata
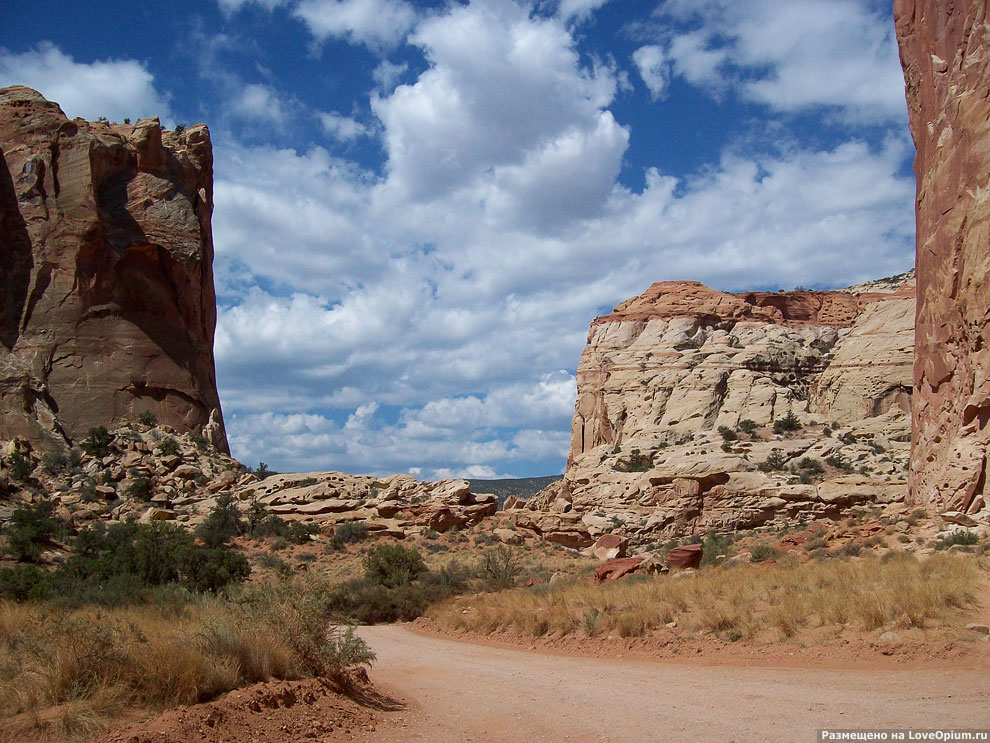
<point>160,474</point>
<point>678,392</point>
<point>107,305</point>
<point>945,52</point>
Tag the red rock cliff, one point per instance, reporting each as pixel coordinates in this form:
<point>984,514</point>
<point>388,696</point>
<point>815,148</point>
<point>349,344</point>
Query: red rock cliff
<point>944,50</point>
<point>107,305</point>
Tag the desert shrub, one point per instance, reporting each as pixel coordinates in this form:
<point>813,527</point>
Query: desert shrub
<point>713,545</point>
<point>262,471</point>
<point>147,418</point>
<point>20,466</point>
<point>223,523</point>
<point>590,622</point>
<point>199,441</point>
<point>306,557</point>
<point>839,461</point>
<point>368,602</point>
<point>826,431</point>
<point>55,463</point>
<point>747,426</point>
<point>501,567</point>
<point>168,447</point>
<point>727,434</point>
<point>962,537</point>
<point>139,488</point>
<point>774,462</point>
<point>98,442</point>
<point>877,447</point>
<point>348,532</point>
<point>848,438</point>
<point>763,552</point>
<point>787,424</point>
<point>31,529</point>
<point>392,565</point>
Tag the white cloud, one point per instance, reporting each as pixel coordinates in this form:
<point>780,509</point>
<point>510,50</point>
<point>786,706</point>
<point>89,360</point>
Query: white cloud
<point>229,7</point>
<point>579,9</point>
<point>376,23</point>
<point>412,319</point>
<point>343,128</point>
<point>116,89</point>
<point>261,103</point>
<point>387,75</point>
<point>653,68</point>
<point>793,54</point>
<point>502,88</point>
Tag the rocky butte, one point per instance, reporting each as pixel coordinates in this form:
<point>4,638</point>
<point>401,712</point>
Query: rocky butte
<point>701,410</point>
<point>945,52</point>
<point>107,306</point>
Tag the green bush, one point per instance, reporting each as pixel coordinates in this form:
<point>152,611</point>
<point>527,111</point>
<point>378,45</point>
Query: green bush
<point>55,463</point>
<point>960,537</point>
<point>727,434</point>
<point>139,488</point>
<point>774,462</point>
<point>787,424</point>
<point>147,418</point>
<point>848,438</point>
<point>839,461</point>
<point>223,523</point>
<point>348,532</point>
<point>31,529</point>
<point>392,565</point>
<point>501,567</point>
<point>20,466</point>
<point>168,447</point>
<point>747,426</point>
<point>98,443</point>
<point>763,552</point>
<point>714,545</point>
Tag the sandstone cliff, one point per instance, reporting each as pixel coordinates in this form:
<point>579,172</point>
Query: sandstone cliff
<point>107,306</point>
<point>945,51</point>
<point>678,393</point>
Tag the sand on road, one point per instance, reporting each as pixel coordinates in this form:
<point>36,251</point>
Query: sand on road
<point>460,691</point>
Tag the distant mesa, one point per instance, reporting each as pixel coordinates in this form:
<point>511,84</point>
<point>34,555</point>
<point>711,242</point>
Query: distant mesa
<point>107,304</point>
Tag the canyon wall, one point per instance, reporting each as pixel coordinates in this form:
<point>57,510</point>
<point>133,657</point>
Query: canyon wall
<point>945,52</point>
<point>107,305</point>
<point>678,393</point>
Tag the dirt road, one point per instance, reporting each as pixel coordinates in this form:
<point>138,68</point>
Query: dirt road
<point>459,692</point>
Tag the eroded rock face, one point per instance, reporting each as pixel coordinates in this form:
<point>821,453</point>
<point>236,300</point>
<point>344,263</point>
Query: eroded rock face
<point>657,449</point>
<point>107,305</point>
<point>945,51</point>
<point>683,358</point>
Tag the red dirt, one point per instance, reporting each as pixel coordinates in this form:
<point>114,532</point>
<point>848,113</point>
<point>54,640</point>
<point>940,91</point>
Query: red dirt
<point>281,711</point>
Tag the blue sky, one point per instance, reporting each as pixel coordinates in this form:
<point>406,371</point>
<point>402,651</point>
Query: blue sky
<point>420,206</point>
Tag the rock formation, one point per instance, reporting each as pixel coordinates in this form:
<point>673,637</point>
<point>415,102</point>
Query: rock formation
<point>107,306</point>
<point>945,51</point>
<point>678,393</point>
<point>157,473</point>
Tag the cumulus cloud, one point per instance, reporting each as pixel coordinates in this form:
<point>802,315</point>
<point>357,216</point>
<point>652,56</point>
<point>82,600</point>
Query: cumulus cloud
<point>653,68</point>
<point>375,23</point>
<point>116,89</point>
<point>261,103</point>
<point>793,54</point>
<point>502,87</point>
<point>229,7</point>
<point>579,9</point>
<point>342,128</point>
<point>416,318</point>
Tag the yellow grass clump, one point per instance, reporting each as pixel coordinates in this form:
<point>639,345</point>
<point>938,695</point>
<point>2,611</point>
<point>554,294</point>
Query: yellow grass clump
<point>736,602</point>
<point>65,673</point>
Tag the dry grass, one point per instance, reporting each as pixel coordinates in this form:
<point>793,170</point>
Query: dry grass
<point>65,674</point>
<point>737,602</point>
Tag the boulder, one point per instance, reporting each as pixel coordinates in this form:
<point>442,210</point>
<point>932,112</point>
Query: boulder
<point>508,536</point>
<point>687,556</point>
<point>608,547</point>
<point>617,568</point>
